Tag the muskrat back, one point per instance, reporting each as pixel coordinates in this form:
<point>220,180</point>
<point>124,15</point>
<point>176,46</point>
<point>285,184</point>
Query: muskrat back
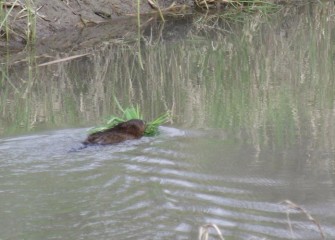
<point>132,129</point>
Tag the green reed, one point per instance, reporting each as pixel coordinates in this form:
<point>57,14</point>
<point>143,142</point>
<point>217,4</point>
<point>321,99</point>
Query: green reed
<point>249,81</point>
<point>31,22</point>
<point>5,15</point>
<point>8,15</point>
<point>4,26</point>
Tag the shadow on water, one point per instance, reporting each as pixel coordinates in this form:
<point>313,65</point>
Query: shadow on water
<point>253,107</point>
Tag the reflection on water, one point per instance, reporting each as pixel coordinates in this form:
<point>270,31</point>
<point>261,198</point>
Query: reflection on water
<point>253,125</point>
<point>154,188</point>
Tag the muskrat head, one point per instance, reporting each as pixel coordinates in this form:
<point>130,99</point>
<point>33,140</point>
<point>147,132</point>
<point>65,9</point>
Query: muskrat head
<point>135,127</point>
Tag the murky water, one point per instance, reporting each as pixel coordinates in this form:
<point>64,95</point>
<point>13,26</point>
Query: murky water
<point>253,109</point>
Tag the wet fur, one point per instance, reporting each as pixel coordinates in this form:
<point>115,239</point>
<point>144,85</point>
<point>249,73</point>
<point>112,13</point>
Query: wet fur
<point>132,129</point>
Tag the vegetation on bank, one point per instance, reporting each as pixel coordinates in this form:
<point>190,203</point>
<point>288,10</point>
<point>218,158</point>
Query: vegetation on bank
<point>235,4</point>
<point>27,11</point>
<point>222,83</point>
<point>12,11</point>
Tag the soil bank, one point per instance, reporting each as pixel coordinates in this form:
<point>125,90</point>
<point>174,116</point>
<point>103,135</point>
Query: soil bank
<point>69,17</point>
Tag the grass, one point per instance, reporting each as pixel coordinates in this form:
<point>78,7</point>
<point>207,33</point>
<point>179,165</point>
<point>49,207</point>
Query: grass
<point>7,17</point>
<point>31,22</point>
<point>293,206</point>
<point>4,16</point>
<point>28,11</point>
<point>221,83</point>
<point>233,8</point>
<point>132,113</point>
<point>237,4</point>
<point>204,230</point>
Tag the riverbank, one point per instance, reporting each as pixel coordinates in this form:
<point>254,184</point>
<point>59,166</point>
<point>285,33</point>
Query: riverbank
<point>33,21</point>
<point>65,25</point>
<point>42,19</point>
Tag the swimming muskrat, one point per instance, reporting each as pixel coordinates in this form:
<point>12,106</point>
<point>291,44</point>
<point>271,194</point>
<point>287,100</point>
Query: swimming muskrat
<point>132,129</point>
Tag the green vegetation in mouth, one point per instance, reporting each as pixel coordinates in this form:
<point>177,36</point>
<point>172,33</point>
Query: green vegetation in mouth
<point>133,113</point>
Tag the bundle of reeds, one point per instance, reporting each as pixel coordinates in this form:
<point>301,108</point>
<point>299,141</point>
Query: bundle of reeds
<point>132,113</point>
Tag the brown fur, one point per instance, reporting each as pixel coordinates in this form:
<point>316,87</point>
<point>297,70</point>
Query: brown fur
<point>132,129</point>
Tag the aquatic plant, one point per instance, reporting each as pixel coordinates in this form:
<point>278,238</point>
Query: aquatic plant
<point>132,113</point>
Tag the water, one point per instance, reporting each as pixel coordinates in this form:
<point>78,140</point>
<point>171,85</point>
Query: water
<point>155,188</point>
<point>253,126</point>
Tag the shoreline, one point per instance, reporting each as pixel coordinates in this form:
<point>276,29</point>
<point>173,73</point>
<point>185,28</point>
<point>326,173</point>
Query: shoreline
<point>44,19</point>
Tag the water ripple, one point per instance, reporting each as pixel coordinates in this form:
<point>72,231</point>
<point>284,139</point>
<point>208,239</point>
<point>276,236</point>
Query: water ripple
<point>147,189</point>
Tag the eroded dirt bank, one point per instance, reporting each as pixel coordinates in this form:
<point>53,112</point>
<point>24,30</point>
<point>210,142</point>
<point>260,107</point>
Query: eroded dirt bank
<point>70,16</point>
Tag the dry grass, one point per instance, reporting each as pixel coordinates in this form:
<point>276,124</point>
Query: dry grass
<point>26,11</point>
<point>204,231</point>
<point>63,59</point>
<point>238,4</point>
<point>174,9</point>
<point>293,206</point>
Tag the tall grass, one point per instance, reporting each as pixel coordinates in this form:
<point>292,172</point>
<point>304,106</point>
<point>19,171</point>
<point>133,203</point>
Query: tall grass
<point>246,5</point>
<point>258,82</point>
<point>8,15</point>
<point>31,22</point>
<point>4,16</point>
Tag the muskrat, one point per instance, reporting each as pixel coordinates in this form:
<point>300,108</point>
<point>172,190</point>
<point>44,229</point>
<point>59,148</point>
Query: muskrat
<point>132,129</point>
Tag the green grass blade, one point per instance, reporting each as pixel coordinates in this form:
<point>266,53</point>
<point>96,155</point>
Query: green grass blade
<point>132,113</point>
